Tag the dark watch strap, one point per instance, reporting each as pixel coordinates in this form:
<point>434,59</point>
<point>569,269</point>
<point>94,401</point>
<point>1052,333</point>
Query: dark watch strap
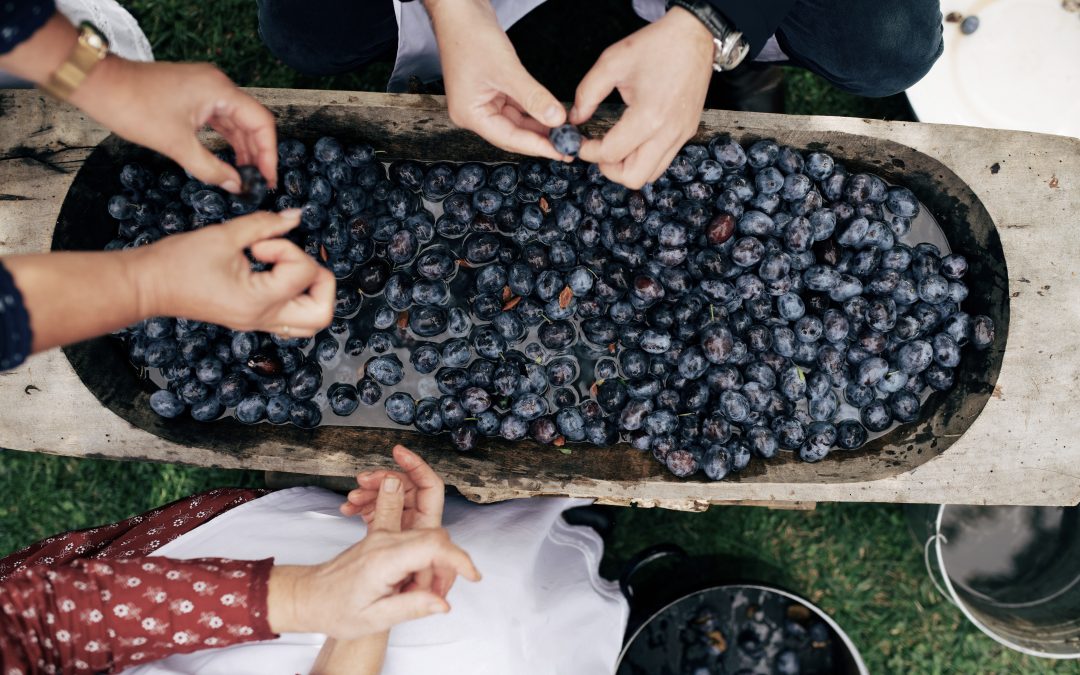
<point>731,46</point>
<point>717,24</point>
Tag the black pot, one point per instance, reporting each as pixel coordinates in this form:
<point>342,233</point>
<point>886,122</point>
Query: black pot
<point>684,621</point>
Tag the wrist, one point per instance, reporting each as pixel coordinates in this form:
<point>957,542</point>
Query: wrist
<point>463,15</point>
<point>454,7</point>
<point>282,607</point>
<point>137,267</point>
<point>729,47</point>
<point>693,29</point>
<point>105,79</point>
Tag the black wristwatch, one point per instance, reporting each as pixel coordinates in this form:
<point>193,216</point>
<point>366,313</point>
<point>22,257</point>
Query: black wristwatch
<point>731,46</point>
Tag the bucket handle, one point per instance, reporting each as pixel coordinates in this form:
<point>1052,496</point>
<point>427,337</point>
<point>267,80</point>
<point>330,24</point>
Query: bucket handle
<point>930,568</point>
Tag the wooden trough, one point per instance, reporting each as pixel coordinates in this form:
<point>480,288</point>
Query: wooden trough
<point>1006,200</point>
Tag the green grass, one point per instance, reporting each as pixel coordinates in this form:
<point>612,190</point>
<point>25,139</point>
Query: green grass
<point>45,494</point>
<point>856,560</point>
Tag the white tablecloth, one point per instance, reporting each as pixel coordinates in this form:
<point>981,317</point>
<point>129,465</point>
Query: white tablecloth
<point>541,609</point>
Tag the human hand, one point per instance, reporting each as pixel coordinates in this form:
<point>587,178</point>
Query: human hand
<point>162,106</point>
<point>424,495</point>
<point>366,589</point>
<point>390,510</point>
<point>204,275</point>
<point>662,73</point>
<point>488,91</point>
<point>424,492</point>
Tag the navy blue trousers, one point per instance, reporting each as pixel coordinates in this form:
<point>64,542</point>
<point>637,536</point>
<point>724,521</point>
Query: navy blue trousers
<point>865,47</point>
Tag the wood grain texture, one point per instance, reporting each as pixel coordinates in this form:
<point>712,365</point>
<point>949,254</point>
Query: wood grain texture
<point>1018,450</point>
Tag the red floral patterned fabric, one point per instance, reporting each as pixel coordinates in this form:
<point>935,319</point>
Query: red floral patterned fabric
<point>136,536</point>
<point>106,615</point>
<point>88,602</point>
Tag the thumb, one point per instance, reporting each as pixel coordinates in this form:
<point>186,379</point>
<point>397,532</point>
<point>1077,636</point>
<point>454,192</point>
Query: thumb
<point>205,166</point>
<point>535,99</point>
<point>401,607</point>
<point>261,225</point>
<point>595,87</point>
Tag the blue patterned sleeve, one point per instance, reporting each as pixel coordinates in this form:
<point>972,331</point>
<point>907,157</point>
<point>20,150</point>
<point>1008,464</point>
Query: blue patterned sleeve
<point>15,336</point>
<point>19,19</point>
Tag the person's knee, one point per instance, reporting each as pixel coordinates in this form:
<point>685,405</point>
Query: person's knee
<point>888,49</point>
<point>326,38</point>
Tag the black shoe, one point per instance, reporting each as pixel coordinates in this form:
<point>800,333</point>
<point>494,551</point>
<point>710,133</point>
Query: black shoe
<point>599,518</point>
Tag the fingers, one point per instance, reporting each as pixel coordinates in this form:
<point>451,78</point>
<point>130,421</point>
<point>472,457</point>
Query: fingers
<point>663,164</point>
<point>441,582</point>
<point>261,225</point>
<point>313,310</point>
<point>409,606</point>
<point>205,166</point>
<point>368,480</point>
<point>637,126</point>
<point>423,580</point>
<point>431,492</point>
<point>643,165</point>
<point>416,468</point>
<point>416,559</point>
<point>293,272</point>
<point>304,316</point>
<point>424,490</point>
<point>522,120</point>
<point>248,126</point>
<point>389,505</point>
<point>533,98</point>
<point>237,140</point>
<point>362,500</point>
<point>258,127</point>
<point>421,549</point>
<point>597,84</point>
<point>500,131</point>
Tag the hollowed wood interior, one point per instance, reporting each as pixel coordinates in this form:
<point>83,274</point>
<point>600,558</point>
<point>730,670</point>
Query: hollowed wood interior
<point>418,133</point>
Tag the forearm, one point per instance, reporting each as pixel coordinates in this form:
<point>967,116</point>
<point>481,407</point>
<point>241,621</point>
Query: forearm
<point>363,656</point>
<point>113,614</point>
<point>75,296</point>
<point>285,605</point>
<point>452,20</point>
<point>36,58</point>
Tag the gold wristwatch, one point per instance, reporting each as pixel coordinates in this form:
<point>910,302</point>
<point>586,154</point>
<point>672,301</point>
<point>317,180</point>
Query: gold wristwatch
<point>90,49</point>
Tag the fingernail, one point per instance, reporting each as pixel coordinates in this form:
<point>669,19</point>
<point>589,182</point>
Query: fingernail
<point>552,114</point>
<point>289,214</point>
<point>390,485</point>
<point>437,608</point>
<point>231,186</point>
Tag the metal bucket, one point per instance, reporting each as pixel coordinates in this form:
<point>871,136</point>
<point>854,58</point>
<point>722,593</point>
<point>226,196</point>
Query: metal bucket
<point>1014,571</point>
<point>664,605</point>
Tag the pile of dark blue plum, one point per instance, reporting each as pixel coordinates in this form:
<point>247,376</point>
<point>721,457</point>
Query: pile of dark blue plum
<point>752,300</point>
<point>794,642</point>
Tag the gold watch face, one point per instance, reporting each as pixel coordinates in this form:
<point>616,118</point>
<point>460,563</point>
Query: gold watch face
<point>92,37</point>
